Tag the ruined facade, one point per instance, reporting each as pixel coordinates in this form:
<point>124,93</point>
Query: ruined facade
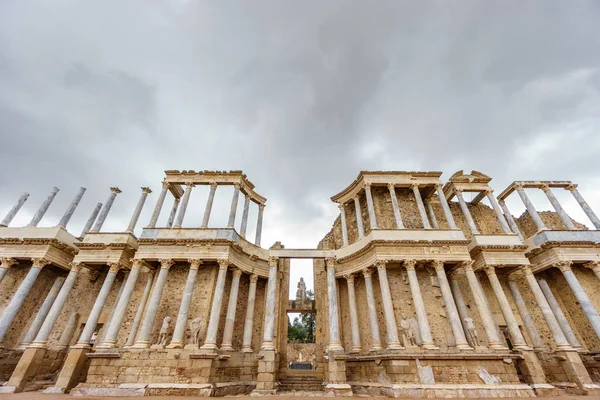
<point>417,293</point>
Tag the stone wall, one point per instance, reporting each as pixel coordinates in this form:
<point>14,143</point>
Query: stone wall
<point>550,219</point>
<point>295,349</point>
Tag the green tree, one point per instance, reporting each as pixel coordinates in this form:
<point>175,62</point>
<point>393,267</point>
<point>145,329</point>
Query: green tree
<point>302,329</point>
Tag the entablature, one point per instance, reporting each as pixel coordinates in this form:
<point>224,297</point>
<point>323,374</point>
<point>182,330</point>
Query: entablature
<point>533,185</point>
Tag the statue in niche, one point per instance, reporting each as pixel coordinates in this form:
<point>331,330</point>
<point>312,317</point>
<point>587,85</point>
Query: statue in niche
<point>164,331</point>
<point>195,326</point>
<point>301,292</point>
<point>408,328</point>
<point>472,331</point>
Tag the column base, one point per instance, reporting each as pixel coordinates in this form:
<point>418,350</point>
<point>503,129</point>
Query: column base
<point>38,345</point>
<point>107,346</point>
<point>355,350</point>
<point>497,346</point>
<point>226,347</point>
<point>191,347</point>
<point>395,346</point>
<point>247,350</point>
<point>335,347</point>
<point>464,347</point>
<point>209,347</point>
<point>375,348</point>
<point>430,346</point>
<point>266,346</point>
<point>175,345</point>
<point>141,345</point>
<point>157,347</point>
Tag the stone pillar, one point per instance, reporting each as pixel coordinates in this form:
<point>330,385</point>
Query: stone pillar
<point>210,342</point>
<point>393,343</point>
<point>421,206</point>
<point>69,213</point>
<point>209,203</point>
<point>490,196</point>
<point>461,306</point>
<point>184,308</point>
<point>594,266</point>
<point>376,339</point>
<point>249,322</point>
<point>370,206</point>
<point>137,320</point>
<point>466,212</point>
<point>173,212</point>
<point>261,208</point>
<point>530,208</point>
<point>453,315</point>
<point>184,203</point>
<point>335,344</point>
<point>397,215</point>
<point>138,210</point>
<point>234,203</point>
<point>227,344</point>
<point>270,306</point>
<point>445,207</point>
<point>5,264</point>
<point>90,221</point>
<point>41,314</point>
<point>344,225</point>
<point>356,347</point>
<point>110,338</point>
<point>359,221</point>
<point>159,205</point>
<point>536,340</point>
<point>559,210</point>
<point>67,334</point>
<point>513,326</point>
<point>43,208</point>
<point>20,295</point>
<point>106,326</point>
<point>484,311</point>
<point>511,221</point>
<point>107,206</point>
<point>14,210</point>
<point>431,214</point>
<point>244,225</point>
<point>419,305</point>
<point>584,205</point>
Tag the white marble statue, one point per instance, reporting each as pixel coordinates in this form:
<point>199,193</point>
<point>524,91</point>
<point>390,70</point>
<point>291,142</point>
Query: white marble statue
<point>301,292</point>
<point>472,331</point>
<point>195,326</point>
<point>164,331</point>
<point>408,329</point>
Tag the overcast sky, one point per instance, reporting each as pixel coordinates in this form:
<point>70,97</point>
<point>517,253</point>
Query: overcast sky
<point>301,96</point>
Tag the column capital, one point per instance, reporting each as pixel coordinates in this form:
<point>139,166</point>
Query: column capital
<point>453,275</point>
<point>166,263</point>
<point>341,206</point>
<point>593,265</point>
<point>223,264</point>
<point>237,185</point>
<point>194,263</point>
<point>410,265</point>
<point>367,272</point>
<point>391,186</point>
<point>489,192</point>
<point>467,265</point>
<point>438,186</point>
<point>349,277</point>
<point>458,191</point>
<point>189,185</point>
<point>8,262</point>
<point>571,187</point>
<point>237,272</point>
<point>381,264</point>
<point>545,187</point>
<point>253,278</point>
<point>76,266</point>
<point>165,184</point>
<point>438,265</point>
<point>213,185</point>
<point>367,185</point>
<point>518,185</point>
<point>261,206</point>
<point>146,190</point>
<point>564,265</point>
<point>526,269</point>
<point>115,190</point>
<point>114,267</point>
<point>330,262</point>
<point>490,270</point>
<point>273,261</point>
<point>136,263</point>
<point>414,185</point>
<point>39,262</point>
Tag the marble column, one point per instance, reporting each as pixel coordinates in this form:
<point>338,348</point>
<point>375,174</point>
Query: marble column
<point>137,320</point>
<point>421,206</point>
<point>536,340</point>
<point>41,339</point>
<point>227,344</point>
<point>249,321</point>
<point>5,264</point>
<point>107,206</point>
<point>453,315</point>
<point>209,204</point>
<point>43,208</point>
<point>69,213</point>
<point>184,203</point>
<point>370,207</point>
<point>461,306</point>
<point>91,219</point>
<point>530,208</point>
<point>490,196</point>
<point>431,214</point>
<point>359,221</point>
<point>138,210</point>
<point>270,306</point>
<point>395,207</point>
<point>41,314</point>
<point>393,343</point>
<point>261,208</point>
<point>173,212</point>
<point>511,221</point>
<point>344,225</point>
<point>375,338</point>
<point>466,212</point>
<point>335,344</point>
<point>110,338</point>
<point>14,210</point>
<point>559,210</point>
<point>159,205</point>
<point>356,347</point>
<point>445,206</point>
<point>20,295</point>
<point>593,265</point>
<point>420,311</point>
<point>67,334</point>
<point>210,342</point>
<point>509,317</point>
<point>234,204</point>
<point>558,314</point>
<point>244,225</point>
<point>184,308</point>
<point>485,313</point>
<point>92,320</point>
<point>584,205</point>
<point>106,326</point>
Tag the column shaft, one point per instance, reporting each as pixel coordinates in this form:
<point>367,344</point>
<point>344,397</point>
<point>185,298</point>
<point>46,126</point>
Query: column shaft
<point>584,205</point>
<point>69,213</point>
<point>467,213</point>
<point>173,213</point>
<point>581,296</point>
<point>159,205</point>
<point>227,344</point>
<point>370,207</point>
<point>559,210</point>
<point>184,308</point>
<point>210,342</point>
<point>511,221</point>
<point>445,207</point>
<point>67,334</point>
<point>356,347</point>
<point>335,343</point>
<point>244,225</point>
<point>536,340</point>
<point>137,320</point>
<point>530,208</point>
<point>91,219</point>
<point>419,305</point>
<point>344,226</point>
<point>14,210</point>
<point>138,209</point>
<point>43,208</point>
<point>107,206</point>
<point>270,306</point>
<point>5,264</point>
<point>106,326</point>
<point>184,203</point>
<point>421,207</point>
<point>249,321</point>
<point>209,203</point>
<point>259,221</point>
<point>395,207</point>
<point>393,343</point>
<point>42,313</point>
<point>359,221</point>
<point>431,214</point>
<point>234,204</point>
<point>498,212</point>
<point>376,339</point>
<point>461,306</point>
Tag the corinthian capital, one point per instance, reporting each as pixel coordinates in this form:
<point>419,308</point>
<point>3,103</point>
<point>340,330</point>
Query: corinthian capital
<point>166,263</point>
<point>564,265</point>
<point>146,190</point>
<point>137,263</point>
<point>518,185</point>
<point>593,265</point>
<point>114,267</point>
<point>223,263</point>
<point>330,262</point>
<point>367,272</point>
<point>381,264</point>
<point>467,265</point>
<point>545,187</point>
<point>489,270</point>
<point>7,262</point>
<point>438,265</point>
<point>76,266</point>
<point>571,187</point>
<point>40,262</point>
<point>194,263</point>
<point>349,278</point>
<point>526,269</point>
<point>115,190</point>
<point>410,265</point>
<point>273,261</point>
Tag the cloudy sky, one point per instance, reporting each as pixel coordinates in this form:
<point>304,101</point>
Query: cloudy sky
<point>301,96</point>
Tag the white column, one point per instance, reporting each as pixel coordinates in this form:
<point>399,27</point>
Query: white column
<point>395,206</point>
<point>270,306</point>
<point>461,306</point>
<point>393,343</point>
<point>227,344</point>
<point>210,342</point>
<point>490,196</point>
<point>173,212</point>
<point>106,326</point>
<point>356,347</point>
<point>370,207</point>
<point>159,205</point>
<point>184,203</point>
<point>184,308</point>
<point>594,266</point>
<point>249,322</point>
<point>138,209</point>
<point>584,205</point>
<point>419,305</point>
<point>5,264</point>
<point>14,210</point>
<point>234,203</point>
<point>510,219</point>
<point>466,212</point>
<point>107,206</point>
<point>359,221</point>
<point>67,334</point>
<point>137,320</point>
<point>530,208</point>
<point>43,208</point>
<point>431,214</point>
<point>209,203</point>
<point>41,314</point>
<point>335,344</point>
<point>558,314</point>
<point>244,225</point>
<point>259,221</point>
<point>559,210</point>
<point>536,340</point>
<point>445,207</point>
<point>91,219</point>
<point>376,339</point>
<point>421,206</point>
<point>69,213</point>
<point>344,226</point>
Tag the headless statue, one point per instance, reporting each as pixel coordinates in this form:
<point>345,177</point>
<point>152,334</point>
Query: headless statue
<point>164,331</point>
<point>195,326</point>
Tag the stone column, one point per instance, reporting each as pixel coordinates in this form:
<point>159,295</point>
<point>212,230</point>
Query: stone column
<point>173,212</point>
<point>106,326</point>
<point>270,305</point>
<point>461,306</point>
<point>530,208</point>
<point>431,215</point>
<point>559,210</point>
<point>5,264</point>
<point>335,344</point>
<point>249,322</point>
<point>110,338</point>
<point>20,295</point>
<point>415,291</point>
<point>43,208</point>
<point>359,221</point>
<point>107,206</point>
<point>370,206</point>
<point>536,340</point>
<point>559,315</point>
<point>227,344</point>
<point>490,196</point>
<point>234,203</point>
<point>344,226</point>
<point>395,207</point>
<point>421,206</point>
<point>44,333</point>
<point>513,326</point>
<point>393,343</point>
<point>69,213</point>
<point>376,339</point>
<point>593,265</point>
<point>41,314</point>
<point>244,225</point>
<point>138,210</point>
<point>261,208</point>
<point>184,203</point>
<point>445,206</point>
<point>356,347</point>
<point>209,203</point>
<point>584,205</point>
<point>184,308</point>
<point>453,315</point>
<point>159,205</point>
<point>510,219</point>
<point>67,334</point>
<point>466,212</point>
<point>90,221</point>
<point>14,210</point>
<point>210,342</point>
<point>484,311</point>
<point>137,320</point>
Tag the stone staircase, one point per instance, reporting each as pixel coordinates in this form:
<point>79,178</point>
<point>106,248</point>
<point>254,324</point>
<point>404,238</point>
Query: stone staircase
<point>301,383</point>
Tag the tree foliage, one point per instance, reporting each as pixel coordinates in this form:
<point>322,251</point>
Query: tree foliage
<point>302,329</point>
